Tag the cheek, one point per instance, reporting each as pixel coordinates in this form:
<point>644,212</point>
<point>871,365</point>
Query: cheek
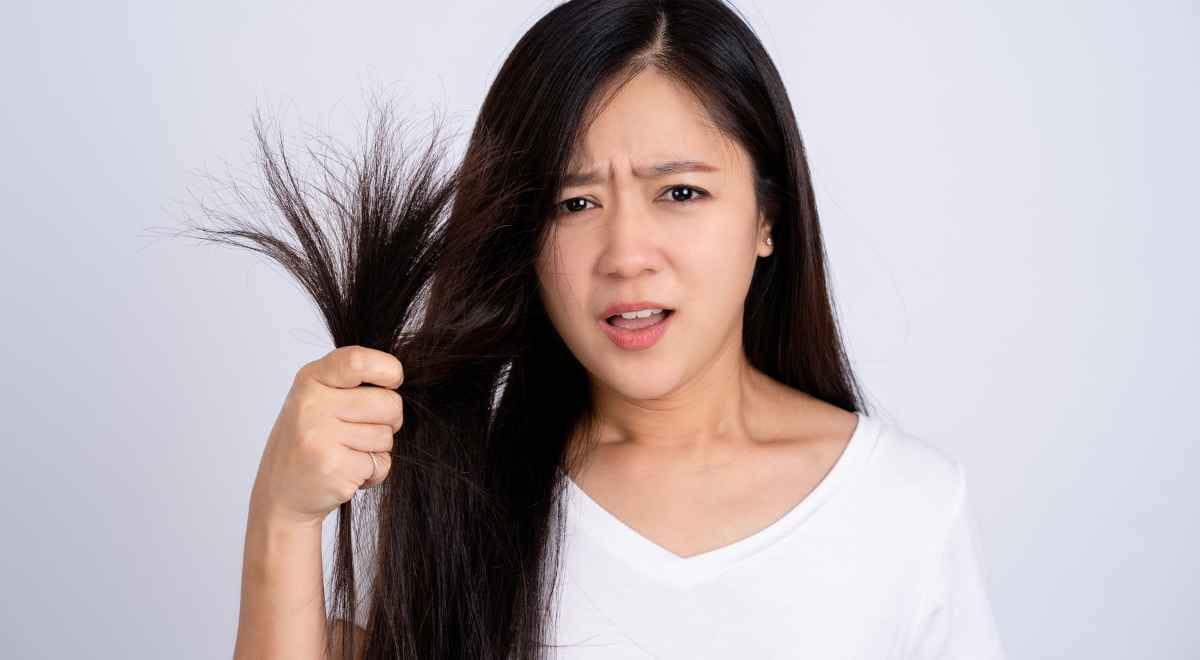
<point>559,290</point>
<point>715,267</point>
<point>719,248</point>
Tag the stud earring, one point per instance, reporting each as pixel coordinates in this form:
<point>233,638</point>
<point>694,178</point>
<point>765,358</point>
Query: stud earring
<point>769,242</point>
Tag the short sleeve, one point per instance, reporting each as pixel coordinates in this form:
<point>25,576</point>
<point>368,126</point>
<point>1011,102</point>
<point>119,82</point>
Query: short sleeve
<point>954,618</point>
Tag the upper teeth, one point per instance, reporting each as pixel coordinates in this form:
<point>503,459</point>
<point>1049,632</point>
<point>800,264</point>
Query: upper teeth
<point>640,314</point>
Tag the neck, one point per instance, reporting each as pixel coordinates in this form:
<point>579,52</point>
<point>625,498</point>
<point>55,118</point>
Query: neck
<point>703,422</point>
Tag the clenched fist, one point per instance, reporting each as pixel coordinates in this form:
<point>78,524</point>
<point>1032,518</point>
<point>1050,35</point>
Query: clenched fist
<point>332,422</point>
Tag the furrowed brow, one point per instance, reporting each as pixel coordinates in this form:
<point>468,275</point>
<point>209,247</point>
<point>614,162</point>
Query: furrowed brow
<point>651,172</point>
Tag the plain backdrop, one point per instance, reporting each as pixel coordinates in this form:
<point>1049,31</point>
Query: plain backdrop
<point>1007,189</point>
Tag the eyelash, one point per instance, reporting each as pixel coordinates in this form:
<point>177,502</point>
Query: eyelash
<point>697,195</point>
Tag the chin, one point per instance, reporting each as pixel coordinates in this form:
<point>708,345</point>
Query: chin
<point>640,386</point>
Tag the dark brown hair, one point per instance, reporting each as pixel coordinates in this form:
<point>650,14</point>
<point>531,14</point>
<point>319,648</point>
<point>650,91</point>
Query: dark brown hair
<point>438,269</point>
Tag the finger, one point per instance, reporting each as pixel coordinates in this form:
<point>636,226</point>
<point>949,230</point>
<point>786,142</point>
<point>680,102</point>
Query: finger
<point>366,437</point>
<point>382,467</point>
<point>351,366</point>
<point>369,405</point>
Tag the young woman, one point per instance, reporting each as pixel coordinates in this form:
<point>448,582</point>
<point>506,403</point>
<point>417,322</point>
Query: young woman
<point>601,402</point>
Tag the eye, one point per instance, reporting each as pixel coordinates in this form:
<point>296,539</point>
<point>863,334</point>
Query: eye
<point>579,204</point>
<point>572,206</point>
<point>695,193</point>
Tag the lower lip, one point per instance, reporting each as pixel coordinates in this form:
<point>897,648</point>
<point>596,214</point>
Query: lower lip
<point>636,340</point>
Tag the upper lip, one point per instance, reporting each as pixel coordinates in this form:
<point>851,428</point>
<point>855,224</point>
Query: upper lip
<point>622,307</point>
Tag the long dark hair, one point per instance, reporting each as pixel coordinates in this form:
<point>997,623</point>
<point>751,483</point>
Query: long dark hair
<point>439,270</point>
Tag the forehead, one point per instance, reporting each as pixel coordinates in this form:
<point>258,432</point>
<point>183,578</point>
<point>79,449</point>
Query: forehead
<point>649,119</point>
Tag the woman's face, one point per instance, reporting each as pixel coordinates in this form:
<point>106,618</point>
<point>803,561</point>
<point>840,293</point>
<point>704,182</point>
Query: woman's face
<point>687,239</point>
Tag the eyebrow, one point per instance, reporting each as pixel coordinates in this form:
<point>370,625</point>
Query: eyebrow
<point>650,172</point>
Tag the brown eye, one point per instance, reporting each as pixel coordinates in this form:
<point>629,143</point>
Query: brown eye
<point>573,205</point>
<point>692,195</point>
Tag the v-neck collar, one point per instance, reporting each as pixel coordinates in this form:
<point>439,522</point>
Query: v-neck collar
<point>656,562</point>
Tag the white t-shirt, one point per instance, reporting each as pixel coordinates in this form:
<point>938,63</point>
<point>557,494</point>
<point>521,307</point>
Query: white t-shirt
<point>879,561</point>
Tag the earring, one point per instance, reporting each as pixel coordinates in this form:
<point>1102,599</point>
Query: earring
<point>769,241</point>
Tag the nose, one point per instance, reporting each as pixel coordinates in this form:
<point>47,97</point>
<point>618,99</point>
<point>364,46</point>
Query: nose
<point>632,240</point>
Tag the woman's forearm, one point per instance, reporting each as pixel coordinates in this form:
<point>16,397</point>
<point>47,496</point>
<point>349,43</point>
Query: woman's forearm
<point>283,594</point>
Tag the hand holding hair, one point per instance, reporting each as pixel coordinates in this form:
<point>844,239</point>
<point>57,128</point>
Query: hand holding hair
<point>333,435</point>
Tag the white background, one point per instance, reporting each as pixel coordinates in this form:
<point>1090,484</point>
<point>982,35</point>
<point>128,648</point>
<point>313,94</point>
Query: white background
<point>1007,190</point>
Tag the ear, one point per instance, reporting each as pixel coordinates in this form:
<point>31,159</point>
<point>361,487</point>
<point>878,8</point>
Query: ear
<point>764,231</point>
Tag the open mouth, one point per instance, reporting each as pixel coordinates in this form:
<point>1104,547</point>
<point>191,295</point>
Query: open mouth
<point>637,334</point>
<point>618,321</point>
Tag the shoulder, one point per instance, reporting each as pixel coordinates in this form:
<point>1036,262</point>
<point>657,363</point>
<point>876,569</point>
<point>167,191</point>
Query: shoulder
<point>915,479</point>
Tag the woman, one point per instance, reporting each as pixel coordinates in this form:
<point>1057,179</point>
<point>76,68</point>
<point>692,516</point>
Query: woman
<point>628,426</point>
